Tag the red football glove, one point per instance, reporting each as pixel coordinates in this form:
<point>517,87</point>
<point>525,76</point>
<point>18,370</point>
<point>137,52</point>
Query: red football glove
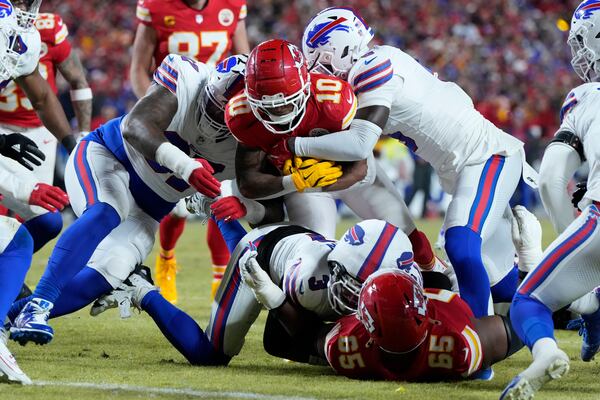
<point>280,153</point>
<point>228,208</point>
<point>49,197</point>
<point>203,181</point>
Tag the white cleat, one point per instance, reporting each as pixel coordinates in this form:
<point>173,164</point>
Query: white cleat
<point>541,371</point>
<point>9,369</point>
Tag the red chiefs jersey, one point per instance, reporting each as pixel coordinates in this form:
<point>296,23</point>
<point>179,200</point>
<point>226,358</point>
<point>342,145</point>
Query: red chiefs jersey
<point>15,107</point>
<point>451,350</point>
<point>330,107</point>
<point>204,35</point>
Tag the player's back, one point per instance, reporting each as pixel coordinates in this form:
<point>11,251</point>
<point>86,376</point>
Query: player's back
<point>436,119</point>
<point>579,115</point>
<point>15,107</point>
<point>450,351</point>
<point>205,35</point>
<point>330,108</point>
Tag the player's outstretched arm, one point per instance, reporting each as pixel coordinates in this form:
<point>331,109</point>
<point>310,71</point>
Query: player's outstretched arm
<point>240,39</point>
<point>48,107</point>
<point>81,94</point>
<point>141,61</point>
<point>353,144</point>
<point>498,339</point>
<point>559,163</point>
<point>354,172</point>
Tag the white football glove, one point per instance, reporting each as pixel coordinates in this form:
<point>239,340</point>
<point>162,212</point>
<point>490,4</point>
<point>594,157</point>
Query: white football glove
<point>116,298</point>
<point>527,238</point>
<point>266,292</point>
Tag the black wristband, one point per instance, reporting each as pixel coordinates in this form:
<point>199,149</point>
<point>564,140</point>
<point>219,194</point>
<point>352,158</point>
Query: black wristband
<point>69,143</point>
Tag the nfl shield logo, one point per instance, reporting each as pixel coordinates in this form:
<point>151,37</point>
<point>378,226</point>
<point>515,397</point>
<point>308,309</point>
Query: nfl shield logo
<point>199,19</point>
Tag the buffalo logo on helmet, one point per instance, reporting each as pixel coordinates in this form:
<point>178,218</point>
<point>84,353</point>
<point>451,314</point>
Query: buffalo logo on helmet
<point>355,236</point>
<point>6,8</point>
<point>586,9</point>
<point>320,33</point>
<point>226,17</point>
<point>405,261</point>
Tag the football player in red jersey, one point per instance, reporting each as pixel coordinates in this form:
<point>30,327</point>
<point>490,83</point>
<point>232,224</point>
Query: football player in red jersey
<point>282,99</point>
<point>207,31</point>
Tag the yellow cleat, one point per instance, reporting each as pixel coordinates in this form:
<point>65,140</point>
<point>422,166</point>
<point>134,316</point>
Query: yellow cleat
<point>166,270</point>
<point>218,271</point>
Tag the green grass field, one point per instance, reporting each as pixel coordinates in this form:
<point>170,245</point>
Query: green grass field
<point>109,358</point>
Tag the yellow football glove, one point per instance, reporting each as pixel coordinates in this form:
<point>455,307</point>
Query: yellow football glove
<point>311,173</point>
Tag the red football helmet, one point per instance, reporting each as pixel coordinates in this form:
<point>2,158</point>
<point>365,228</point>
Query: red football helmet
<point>393,309</point>
<point>277,85</point>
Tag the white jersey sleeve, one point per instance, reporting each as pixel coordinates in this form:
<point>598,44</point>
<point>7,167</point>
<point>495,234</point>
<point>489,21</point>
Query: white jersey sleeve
<point>579,115</point>
<point>374,81</point>
<point>17,186</point>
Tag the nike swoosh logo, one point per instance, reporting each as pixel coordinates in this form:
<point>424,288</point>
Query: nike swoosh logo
<point>350,100</point>
<point>466,350</point>
<point>367,62</point>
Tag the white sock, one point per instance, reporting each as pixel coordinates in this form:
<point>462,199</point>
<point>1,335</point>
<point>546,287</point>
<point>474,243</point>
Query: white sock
<point>543,346</point>
<point>586,304</point>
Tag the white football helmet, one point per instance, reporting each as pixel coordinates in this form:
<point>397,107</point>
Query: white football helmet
<point>584,40</point>
<point>11,44</point>
<point>365,248</point>
<point>225,81</point>
<point>27,12</point>
<point>334,39</point>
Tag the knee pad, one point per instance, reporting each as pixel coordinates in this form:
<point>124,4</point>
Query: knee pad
<point>44,228</point>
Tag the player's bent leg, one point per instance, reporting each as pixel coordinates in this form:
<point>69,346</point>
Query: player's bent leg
<point>589,323</point>
<point>315,211</point>
<point>98,188</point>
<point>171,229</point>
<point>44,228</point>
<point>232,232</point>
<point>219,254</point>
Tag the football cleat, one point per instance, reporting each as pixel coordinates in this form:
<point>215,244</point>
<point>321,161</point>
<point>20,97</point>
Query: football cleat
<point>589,330</point>
<point>484,374</point>
<point>31,325</point>
<point>129,294</point>
<point>541,371</point>
<point>9,369</point>
<point>166,271</point>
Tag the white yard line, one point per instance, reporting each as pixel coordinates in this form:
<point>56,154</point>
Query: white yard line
<point>170,391</point>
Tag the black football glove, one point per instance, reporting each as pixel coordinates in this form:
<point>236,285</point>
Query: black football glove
<point>579,193</point>
<point>21,149</point>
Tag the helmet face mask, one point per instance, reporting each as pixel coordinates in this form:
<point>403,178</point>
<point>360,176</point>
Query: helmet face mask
<point>342,289</point>
<point>584,41</point>
<point>27,12</point>
<point>278,85</point>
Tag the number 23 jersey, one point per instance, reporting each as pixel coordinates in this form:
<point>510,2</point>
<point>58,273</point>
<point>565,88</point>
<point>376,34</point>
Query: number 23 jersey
<point>452,349</point>
<point>204,35</point>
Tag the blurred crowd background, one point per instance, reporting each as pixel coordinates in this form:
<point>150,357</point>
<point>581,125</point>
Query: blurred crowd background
<point>509,55</point>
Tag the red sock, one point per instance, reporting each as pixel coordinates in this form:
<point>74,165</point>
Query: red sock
<point>216,244</point>
<point>171,228</point>
<point>422,250</point>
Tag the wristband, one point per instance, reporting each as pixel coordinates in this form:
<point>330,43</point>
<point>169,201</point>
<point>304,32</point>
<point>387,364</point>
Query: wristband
<point>81,94</point>
<point>288,184</point>
<point>168,155</point>
<point>69,142</point>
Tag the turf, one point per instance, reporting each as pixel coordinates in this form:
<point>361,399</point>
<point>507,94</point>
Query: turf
<point>132,355</point>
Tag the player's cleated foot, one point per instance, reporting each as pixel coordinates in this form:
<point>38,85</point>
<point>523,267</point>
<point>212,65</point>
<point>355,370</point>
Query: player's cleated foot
<point>129,293</point>
<point>166,271</point>
<point>9,369</point>
<point>484,374</point>
<point>589,330</point>
<point>31,325</point>
<point>524,386</point>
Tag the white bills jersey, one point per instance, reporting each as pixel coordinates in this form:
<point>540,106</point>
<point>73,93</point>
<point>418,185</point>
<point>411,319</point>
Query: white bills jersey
<point>29,45</point>
<point>435,119</point>
<point>579,115</point>
<point>186,79</point>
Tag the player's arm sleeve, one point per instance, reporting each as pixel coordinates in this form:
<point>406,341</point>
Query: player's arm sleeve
<point>559,163</point>
<point>475,352</point>
<point>62,46</point>
<point>18,186</point>
<point>375,87</point>
<point>142,12</point>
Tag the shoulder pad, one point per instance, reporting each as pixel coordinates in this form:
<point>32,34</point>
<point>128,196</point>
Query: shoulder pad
<point>173,65</point>
<point>371,71</point>
<point>570,139</point>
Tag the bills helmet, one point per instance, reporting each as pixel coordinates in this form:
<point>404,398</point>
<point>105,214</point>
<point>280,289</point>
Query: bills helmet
<point>277,85</point>
<point>11,43</point>
<point>393,309</point>
<point>334,39</point>
<point>584,40</point>
<point>27,12</point>
<point>364,249</point>
<point>225,81</point>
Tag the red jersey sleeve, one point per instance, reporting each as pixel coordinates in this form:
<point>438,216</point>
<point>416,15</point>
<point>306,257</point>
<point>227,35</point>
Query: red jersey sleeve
<point>244,126</point>
<point>336,99</point>
<point>143,12</point>
<point>54,33</point>
<point>350,352</point>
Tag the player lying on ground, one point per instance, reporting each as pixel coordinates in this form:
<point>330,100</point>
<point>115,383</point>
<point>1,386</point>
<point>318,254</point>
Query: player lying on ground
<point>282,100</point>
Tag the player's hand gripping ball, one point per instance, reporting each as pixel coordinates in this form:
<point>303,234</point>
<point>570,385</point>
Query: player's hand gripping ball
<point>312,173</point>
